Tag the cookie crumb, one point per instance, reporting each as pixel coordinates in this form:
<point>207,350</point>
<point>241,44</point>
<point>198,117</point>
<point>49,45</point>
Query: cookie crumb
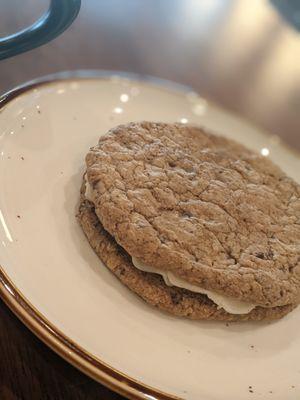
<point>22,126</point>
<point>75,118</point>
<point>9,157</point>
<point>252,347</point>
<point>270,391</point>
<point>18,216</point>
<point>22,158</point>
<point>293,387</point>
<point>227,324</point>
<point>39,111</point>
<point>61,172</point>
<point>189,351</point>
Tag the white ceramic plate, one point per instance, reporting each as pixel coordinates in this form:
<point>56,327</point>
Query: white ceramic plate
<point>54,282</point>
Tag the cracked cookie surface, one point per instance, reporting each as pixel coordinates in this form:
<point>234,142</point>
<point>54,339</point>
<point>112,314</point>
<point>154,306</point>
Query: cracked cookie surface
<point>151,287</point>
<point>206,208</point>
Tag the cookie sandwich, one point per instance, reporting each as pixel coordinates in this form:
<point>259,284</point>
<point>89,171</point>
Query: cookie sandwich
<point>195,224</point>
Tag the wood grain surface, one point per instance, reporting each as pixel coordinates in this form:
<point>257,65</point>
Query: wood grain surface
<point>239,54</point>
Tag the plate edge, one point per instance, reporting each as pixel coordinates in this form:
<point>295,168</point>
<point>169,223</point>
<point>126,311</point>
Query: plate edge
<point>162,83</point>
<point>72,352</point>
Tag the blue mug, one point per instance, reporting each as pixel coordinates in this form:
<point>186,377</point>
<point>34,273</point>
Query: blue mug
<point>60,15</point>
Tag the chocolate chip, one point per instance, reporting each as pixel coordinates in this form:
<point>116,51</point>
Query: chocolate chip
<point>176,298</point>
<point>122,271</point>
<point>186,214</point>
<point>260,255</point>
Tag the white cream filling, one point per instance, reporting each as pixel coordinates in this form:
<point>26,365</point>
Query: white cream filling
<point>88,190</point>
<point>230,305</point>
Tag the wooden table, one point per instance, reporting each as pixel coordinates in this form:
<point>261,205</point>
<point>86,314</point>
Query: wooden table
<point>239,54</point>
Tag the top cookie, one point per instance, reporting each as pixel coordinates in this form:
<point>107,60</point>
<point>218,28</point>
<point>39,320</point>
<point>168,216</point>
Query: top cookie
<point>205,207</point>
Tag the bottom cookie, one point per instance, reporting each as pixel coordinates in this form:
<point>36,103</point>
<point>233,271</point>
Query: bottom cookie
<point>151,287</point>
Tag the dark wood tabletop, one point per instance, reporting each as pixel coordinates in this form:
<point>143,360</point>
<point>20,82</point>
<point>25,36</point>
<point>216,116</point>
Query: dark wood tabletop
<point>242,55</point>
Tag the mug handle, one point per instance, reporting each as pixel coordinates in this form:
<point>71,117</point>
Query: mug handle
<point>60,15</point>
